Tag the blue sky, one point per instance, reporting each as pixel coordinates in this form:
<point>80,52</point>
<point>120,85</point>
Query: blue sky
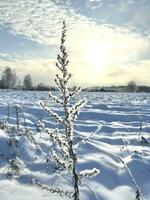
<point>108,40</point>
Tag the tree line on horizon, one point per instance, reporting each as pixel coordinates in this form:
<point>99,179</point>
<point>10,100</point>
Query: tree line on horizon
<point>9,80</point>
<point>130,87</point>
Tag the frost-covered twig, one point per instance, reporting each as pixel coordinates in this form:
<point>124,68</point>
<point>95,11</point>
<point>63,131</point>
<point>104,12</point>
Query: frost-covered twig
<point>8,112</point>
<point>142,139</point>
<point>66,145</point>
<point>79,144</point>
<point>132,178</point>
<point>54,190</point>
<point>76,91</point>
<point>141,127</point>
<point>17,109</point>
<point>137,195</point>
<point>52,114</point>
<point>73,111</point>
<point>30,137</point>
<point>23,116</point>
<point>14,168</point>
<point>57,139</point>
<point>91,190</point>
<point>61,162</point>
<point>88,173</point>
<point>55,99</point>
<point>5,170</point>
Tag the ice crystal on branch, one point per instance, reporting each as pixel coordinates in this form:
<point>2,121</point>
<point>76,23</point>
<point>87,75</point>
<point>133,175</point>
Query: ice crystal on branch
<point>54,190</point>
<point>65,155</point>
<point>89,172</point>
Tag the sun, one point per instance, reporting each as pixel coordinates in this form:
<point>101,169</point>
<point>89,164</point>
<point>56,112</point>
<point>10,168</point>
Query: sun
<point>98,56</point>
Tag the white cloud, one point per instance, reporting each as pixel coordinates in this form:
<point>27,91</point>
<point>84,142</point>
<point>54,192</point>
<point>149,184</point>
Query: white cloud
<point>92,48</point>
<point>98,47</point>
<point>111,74</point>
<point>138,72</point>
<point>39,20</point>
<point>95,0</point>
<point>124,5</point>
<point>94,4</point>
<point>142,16</point>
<point>34,67</point>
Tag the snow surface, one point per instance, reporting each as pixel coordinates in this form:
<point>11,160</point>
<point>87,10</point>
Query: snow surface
<point>118,114</point>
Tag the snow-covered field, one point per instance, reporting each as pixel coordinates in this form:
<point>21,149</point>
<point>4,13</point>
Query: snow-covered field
<point>120,116</point>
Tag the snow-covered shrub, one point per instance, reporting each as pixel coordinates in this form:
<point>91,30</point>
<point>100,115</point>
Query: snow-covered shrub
<point>11,152</point>
<point>14,167</point>
<point>15,135</point>
<point>65,155</point>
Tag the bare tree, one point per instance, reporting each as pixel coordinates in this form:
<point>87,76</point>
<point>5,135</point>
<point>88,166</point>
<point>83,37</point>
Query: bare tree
<point>8,78</point>
<point>27,83</point>
<point>132,87</point>
<point>67,159</point>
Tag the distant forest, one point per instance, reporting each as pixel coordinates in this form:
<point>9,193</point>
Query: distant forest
<point>130,87</point>
<point>9,80</point>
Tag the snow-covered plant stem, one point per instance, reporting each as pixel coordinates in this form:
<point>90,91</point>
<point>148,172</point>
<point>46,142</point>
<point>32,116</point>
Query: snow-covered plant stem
<point>142,139</point>
<point>138,191</point>
<point>66,143</point>
<point>17,109</point>
<point>8,111</point>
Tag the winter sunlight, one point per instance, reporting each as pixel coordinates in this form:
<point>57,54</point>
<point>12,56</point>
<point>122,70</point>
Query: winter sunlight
<point>74,100</point>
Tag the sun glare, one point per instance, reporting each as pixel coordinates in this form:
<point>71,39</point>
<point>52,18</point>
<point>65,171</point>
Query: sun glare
<point>98,57</point>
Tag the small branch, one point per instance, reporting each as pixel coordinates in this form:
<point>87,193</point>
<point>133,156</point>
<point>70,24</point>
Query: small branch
<point>57,139</point>
<point>53,114</point>
<point>73,111</point>
<point>61,162</point>
<point>132,177</point>
<point>76,91</point>
<point>91,190</point>
<point>78,145</point>
<point>55,99</point>
<point>54,190</point>
<point>88,173</point>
